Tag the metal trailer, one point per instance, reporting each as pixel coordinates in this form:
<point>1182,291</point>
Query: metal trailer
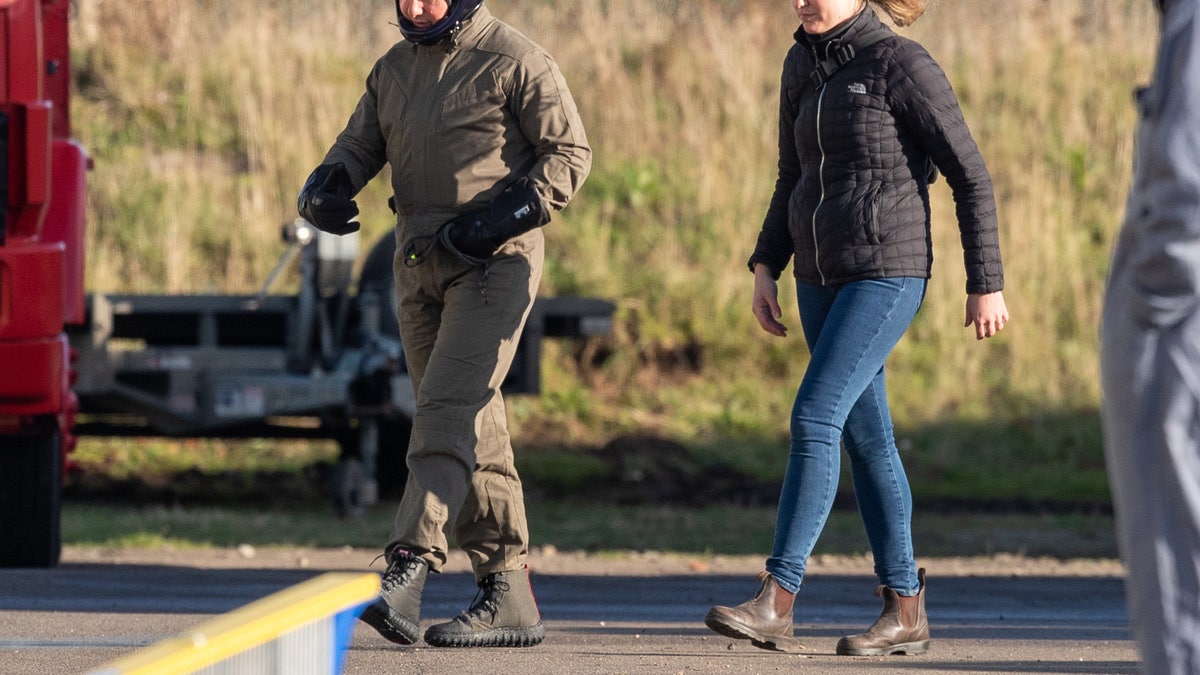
<point>323,363</point>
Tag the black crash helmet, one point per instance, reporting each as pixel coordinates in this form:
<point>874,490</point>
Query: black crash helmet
<point>460,11</point>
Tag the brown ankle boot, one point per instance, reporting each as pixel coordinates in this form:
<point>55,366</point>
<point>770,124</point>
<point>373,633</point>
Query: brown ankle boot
<point>765,620</point>
<point>901,628</point>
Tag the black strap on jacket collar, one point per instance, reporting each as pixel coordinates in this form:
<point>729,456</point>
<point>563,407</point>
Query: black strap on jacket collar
<point>844,54</point>
<point>458,14</point>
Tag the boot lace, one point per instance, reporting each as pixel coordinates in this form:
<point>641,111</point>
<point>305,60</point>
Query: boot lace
<point>487,600</point>
<point>399,572</point>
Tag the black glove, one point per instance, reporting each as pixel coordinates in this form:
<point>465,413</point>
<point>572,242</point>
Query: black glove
<point>325,200</point>
<point>477,235</point>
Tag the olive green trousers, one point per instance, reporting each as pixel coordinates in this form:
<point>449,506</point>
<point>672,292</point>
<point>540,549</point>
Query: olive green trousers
<point>460,325</point>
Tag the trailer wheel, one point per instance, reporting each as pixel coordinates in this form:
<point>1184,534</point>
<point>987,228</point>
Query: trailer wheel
<point>391,469</point>
<point>391,466</point>
<point>353,490</point>
<point>31,499</point>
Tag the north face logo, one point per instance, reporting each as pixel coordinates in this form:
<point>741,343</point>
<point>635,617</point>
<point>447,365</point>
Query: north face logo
<point>857,88</point>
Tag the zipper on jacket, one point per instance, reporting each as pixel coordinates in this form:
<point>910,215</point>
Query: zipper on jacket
<point>430,57</point>
<point>821,182</point>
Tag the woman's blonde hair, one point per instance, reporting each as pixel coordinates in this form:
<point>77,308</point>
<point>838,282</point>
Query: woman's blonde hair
<point>903,12</point>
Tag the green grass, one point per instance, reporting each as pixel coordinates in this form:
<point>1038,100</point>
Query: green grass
<point>1036,487</point>
<point>1048,461</point>
<point>160,458</point>
<point>596,528</point>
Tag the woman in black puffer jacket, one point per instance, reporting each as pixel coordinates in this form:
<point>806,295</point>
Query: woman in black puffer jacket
<point>867,120</point>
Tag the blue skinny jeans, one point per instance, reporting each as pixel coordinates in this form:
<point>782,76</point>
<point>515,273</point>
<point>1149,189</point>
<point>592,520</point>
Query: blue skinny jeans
<point>842,402</point>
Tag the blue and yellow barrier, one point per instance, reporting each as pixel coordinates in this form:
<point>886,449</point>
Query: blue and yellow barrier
<point>302,630</point>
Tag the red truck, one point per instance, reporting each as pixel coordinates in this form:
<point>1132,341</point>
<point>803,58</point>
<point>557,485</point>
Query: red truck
<point>41,276</point>
<point>325,362</point>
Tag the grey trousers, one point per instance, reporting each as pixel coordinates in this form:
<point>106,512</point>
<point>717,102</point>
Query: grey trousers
<point>1152,447</point>
<point>460,326</point>
<point>1150,360</point>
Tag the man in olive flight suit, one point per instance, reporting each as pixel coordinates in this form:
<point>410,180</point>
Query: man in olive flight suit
<point>484,142</point>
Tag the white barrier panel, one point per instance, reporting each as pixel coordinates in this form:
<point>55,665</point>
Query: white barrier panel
<point>301,630</point>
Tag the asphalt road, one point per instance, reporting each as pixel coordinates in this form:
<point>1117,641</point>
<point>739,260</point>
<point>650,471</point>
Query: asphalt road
<point>640,613</point>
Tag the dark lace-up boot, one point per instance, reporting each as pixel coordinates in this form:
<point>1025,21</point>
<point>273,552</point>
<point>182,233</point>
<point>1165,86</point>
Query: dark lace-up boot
<point>504,615</point>
<point>396,613</point>
<point>765,620</point>
<point>902,628</point>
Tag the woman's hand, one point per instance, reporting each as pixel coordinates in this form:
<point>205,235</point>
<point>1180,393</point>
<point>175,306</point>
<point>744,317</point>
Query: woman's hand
<point>988,312</point>
<point>766,301</point>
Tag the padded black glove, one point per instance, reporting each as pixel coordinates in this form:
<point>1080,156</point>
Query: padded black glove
<point>325,200</point>
<point>477,235</point>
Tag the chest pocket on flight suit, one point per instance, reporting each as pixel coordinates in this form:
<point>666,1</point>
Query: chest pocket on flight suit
<point>471,126</point>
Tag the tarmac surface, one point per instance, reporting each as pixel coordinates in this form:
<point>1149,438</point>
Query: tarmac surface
<point>623,613</point>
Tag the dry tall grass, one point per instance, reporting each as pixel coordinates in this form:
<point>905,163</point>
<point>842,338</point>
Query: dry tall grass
<point>204,117</point>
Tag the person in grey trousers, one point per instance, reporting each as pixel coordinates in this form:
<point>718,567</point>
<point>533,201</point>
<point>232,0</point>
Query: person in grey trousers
<point>1150,358</point>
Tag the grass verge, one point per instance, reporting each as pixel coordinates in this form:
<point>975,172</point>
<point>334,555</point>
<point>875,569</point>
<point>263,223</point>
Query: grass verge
<point>595,528</point>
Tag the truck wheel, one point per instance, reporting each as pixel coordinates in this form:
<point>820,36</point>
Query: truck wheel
<point>31,499</point>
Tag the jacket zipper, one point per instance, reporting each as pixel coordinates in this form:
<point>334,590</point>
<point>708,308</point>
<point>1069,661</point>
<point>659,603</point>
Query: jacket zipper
<point>431,111</point>
<point>821,181</point>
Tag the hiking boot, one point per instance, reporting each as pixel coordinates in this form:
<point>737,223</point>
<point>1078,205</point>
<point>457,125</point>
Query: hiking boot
<point>504,615</point>
<point>765,620</point>
<point>902,628</point>
<point>397,610</point>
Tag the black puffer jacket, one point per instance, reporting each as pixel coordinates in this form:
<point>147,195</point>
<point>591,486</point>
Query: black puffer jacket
<point>852,198</point>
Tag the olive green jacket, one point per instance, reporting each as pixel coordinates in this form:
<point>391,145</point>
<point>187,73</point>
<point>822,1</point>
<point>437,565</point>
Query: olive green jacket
<point>460,120</point>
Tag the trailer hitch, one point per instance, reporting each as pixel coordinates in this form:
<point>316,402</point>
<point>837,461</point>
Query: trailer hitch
<point>297,234</point>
